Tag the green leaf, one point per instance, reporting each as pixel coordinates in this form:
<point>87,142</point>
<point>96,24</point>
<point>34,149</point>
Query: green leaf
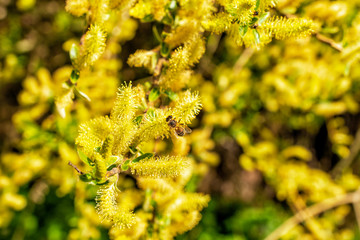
<point>138,119</point>
<point>81,94</point>
<point>243,30</point>
<point>86,177</point>
<point>151,113</point>
<point>347,69</point>
<point>74,52</point>
<point>145,155</point>
<point>133,150</point>
<point>112,160</point>
<point>111,167</point>
<point>148,193</point>
<point>156,34</point>
<point>257,4</point>
<point>153,203</point>
<point>173,96</point>
<point>84,158</point>
<point>148,18</point>
<point>256,36</point>
<point>253,21</point>
<point>101,183</point>
<point>125,165</point>
<point>167,19</point>
<point>74,77</point>
<point>154,60</point>
<point>167,220</point>
<point>154,94</point>
<point>165,50</point>
<point>263,17</point>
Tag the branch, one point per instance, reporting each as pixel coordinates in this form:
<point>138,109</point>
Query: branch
<point>159,66</point>
<point>113,171</point>
<point>75,167</point>
<point>329,41</point>
<point>314,210</point>
<point>243,59</point>
<point>346,162</point>
<point>311,224</point>
<point>356,206</point>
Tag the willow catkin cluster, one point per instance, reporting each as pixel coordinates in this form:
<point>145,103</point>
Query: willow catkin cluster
<point>77,7</point>
<point>108,210</point>
<point>169,166</point>
<point>188,107</point>
<point>282,28</point>
<point>94,44</point>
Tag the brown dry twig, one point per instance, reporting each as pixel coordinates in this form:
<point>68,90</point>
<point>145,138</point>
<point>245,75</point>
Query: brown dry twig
<point>243,59</point>
<point>346,162</point>
<point>75,167</point>
<point>314,210</point>
<point>329,41</point>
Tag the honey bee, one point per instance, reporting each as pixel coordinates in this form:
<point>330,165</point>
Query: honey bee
<point>179,128</point>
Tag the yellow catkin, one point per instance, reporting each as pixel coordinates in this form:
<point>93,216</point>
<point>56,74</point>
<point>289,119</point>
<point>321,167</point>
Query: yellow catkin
<point>152,127</point>
<point>107,208</point>
<point>187,107</point>
<point>106,148</point>
<point>282,28</point>
<point>186,222</point>
<point>91,135</point>
<point>168,166</point>
<point>100,167</point>
<point>77,7</point>
<point>142,58</point>
<point>122,116</point>
<point>94,45</point>
<point>160,185</point>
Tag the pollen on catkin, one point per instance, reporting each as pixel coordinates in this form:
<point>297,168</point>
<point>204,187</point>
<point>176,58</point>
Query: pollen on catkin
<point>187,107</point>
<point>94,45</point>
<point>167,166</point>
<point>282,28</point>
<point>91,135</point>
<point>77,7</point>
<point>106,147</point>
<point>106,207</point>
<point>100,167</point>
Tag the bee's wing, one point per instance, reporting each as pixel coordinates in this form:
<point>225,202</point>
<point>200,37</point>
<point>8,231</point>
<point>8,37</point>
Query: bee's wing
<point>187,129</point>
<point>173,133</point>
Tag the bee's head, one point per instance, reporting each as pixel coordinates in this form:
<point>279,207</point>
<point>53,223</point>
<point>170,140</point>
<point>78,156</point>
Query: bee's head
<point>169,118</point>
<point>172,123</point>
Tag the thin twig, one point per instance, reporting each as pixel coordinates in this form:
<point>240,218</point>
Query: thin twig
<point>356,206</point>
<point>157,71</point>
<point>329,41</point>
<point>75,167</point>
<point>113,171</point>
<point>243,59</point>
<point>346,162</point>
<point>159,66</point>
<point>311,224</point>
<point>312,211</point>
